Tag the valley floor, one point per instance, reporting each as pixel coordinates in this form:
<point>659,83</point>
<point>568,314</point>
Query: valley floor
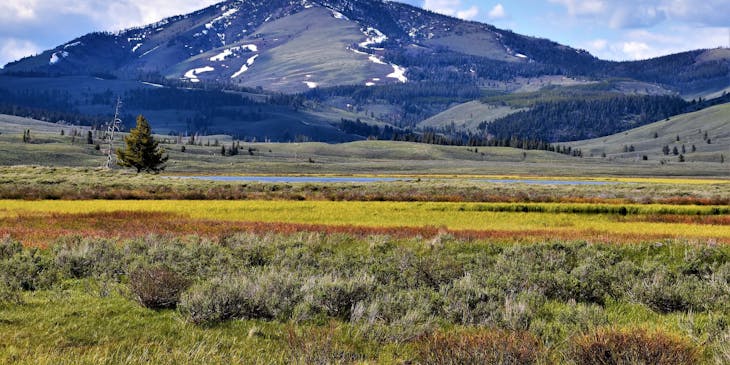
<point>125,268</point>
<point>455,259</point>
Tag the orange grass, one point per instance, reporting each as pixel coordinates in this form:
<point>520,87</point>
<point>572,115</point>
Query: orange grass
<point>42,229</point>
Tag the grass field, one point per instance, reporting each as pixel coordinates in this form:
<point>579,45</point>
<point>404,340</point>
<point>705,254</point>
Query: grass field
<point>42,222</point>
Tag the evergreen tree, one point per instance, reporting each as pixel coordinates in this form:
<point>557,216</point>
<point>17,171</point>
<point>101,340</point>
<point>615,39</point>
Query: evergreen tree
<point>143,152</point>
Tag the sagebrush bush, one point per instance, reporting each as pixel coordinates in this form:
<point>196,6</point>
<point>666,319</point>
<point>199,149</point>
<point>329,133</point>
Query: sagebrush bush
<point>9,296</point>
<point>157,287</point>
<point>81,259</point>
<point>562,321</point>
<point>397,316</point>
<point>704,261</point>
<point>9,248</point>
<point>30,269</point>
<point>334,296</point>
<point>494,347</point>
<point>258,295</point>
<point>634,346</point>
<point>665,292</point>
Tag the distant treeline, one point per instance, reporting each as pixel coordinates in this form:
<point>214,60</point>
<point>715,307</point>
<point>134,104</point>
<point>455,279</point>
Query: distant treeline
<point>46,105</point>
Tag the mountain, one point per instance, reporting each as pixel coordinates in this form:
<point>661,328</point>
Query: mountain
<point>382,62</point>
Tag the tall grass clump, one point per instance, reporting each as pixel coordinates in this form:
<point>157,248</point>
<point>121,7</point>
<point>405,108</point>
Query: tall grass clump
<point>633,346</point>
<point>323,345</point>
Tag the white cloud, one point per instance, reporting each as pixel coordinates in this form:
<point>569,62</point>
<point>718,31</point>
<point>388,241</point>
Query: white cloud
<point>497,12</point>
<point>468,14</point>
<point>452,8</point>
<point>597,45</point>
<point>15,10</point>
<point>107,15</point>
<point>642,44</point>
<point>582,7</point>
<point>636,50</point>
<point>12,49</point>
<point>621,14</point>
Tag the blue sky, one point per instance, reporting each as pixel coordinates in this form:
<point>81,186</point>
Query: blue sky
<point>610,29</point>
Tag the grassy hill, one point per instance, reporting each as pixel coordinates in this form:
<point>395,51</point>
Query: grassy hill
<point>467,116</point>
<point>707,130</point>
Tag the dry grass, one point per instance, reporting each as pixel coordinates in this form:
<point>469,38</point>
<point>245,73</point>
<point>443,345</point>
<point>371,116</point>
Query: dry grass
<point>483,347</point>
<point>633,346</point>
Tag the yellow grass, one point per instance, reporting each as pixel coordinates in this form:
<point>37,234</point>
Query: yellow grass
<point>454,216</point>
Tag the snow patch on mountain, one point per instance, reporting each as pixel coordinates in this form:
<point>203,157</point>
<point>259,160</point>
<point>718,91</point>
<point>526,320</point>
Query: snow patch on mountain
<point>148,52</point>
<point>337,15</point>
<point>233,50</point>
<point>375,59</point>
<point>398,73</point>
<point>223,55</point>
<point>374,37</point>
<point>192,75</point>
<point>153,85</point>
<point>245,67</point>
<point>226,14</point>
<point>57,57</point>
<point>71,45</point>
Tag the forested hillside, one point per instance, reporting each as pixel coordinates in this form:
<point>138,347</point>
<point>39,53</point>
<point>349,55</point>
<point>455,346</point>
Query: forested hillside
<point>569,120</point>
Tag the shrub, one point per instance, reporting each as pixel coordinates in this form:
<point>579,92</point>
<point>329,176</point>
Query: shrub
<point>157,287</point>
<point>268,295</point>
<point>667,292</point>
<point>89,258</point>
<point>336,297</point>
<point>703,261</point>
<point>633,346</point>
<point>9,296</point>
<point>9,248</point>
<point>483,347</point>
<point>395,316</point>
<point>470,301</point>
<point>28,270</point>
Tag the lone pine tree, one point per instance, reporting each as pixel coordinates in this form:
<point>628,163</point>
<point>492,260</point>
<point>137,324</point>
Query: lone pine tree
<point>143,152</point>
